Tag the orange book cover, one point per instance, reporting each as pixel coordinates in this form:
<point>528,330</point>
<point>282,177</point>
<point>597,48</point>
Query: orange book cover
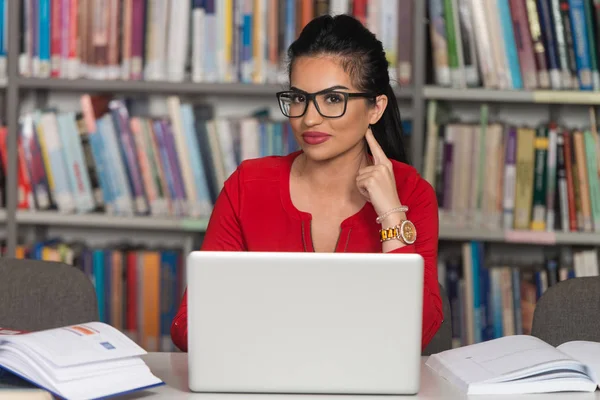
<point>151,299</point>
<point>584,187</point>
<point>571,199</point>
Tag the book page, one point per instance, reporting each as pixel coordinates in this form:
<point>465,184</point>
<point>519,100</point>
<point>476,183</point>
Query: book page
<point>499,360</point>
<point>77,344</point>
<point>586,352</point>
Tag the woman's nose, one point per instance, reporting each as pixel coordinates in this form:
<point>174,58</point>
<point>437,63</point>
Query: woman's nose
<point>312,116</point>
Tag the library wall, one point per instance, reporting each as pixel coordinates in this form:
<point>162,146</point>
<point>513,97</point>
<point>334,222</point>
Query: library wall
<point>474,62</point>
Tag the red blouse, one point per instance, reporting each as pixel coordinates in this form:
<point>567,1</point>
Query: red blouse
<point>254,212</point>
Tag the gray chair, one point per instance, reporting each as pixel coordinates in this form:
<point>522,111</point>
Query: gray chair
<point>443,338</point>
<point>37,295</point>
<point>569,310</point>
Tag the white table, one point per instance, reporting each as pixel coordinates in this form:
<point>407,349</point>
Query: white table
<point>172,369</point>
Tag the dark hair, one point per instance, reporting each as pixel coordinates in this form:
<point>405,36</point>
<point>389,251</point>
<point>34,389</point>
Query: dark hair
<point>363,58</point>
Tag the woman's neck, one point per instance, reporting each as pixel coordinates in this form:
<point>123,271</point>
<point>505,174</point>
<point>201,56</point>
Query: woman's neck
<point>337,175</point>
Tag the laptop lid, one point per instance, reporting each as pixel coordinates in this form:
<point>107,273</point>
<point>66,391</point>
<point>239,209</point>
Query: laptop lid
<point>304,322</point>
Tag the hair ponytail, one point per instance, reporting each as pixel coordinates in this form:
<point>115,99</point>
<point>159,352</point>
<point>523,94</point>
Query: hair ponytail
<point>389,131</point>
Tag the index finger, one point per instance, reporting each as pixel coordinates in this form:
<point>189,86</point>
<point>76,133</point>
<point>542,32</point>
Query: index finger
<point>378,154</point>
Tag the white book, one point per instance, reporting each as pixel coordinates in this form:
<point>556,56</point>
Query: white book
<point>83,361</point>
<point>249,139</point>
<point>373,11</point>
<point>485,54</point>
<point>198,46</point>
<point>178,27</point>
<point>157,31</point>
<point>520,364</point>
<point>337,7</point>
<point>498,47</point>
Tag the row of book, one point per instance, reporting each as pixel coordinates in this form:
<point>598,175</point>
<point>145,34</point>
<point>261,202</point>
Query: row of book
<point>138,289</point>
<point>198,40</point>
<point>492,174</point>
<point>516,44</point>
<point>112,156</point>
<point>491,298</point>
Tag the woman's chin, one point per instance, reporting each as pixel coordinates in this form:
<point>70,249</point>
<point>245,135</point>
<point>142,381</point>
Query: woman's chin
<point>320,152</point>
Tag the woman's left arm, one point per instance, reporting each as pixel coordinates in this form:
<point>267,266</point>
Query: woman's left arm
<point>424,215</point>
<point>378,184</point>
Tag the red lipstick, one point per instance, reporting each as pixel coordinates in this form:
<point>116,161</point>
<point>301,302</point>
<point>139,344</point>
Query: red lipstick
<point>314,137</point>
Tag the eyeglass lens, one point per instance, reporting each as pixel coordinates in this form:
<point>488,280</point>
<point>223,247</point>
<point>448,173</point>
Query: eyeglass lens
<point>330,104</point>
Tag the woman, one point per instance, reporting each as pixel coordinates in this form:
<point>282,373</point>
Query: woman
<point>349,188</point>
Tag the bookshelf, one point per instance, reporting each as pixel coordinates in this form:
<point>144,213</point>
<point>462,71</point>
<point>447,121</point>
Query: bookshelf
<point>418,95</point>
<point>469,241</point>
<point>16,85</point>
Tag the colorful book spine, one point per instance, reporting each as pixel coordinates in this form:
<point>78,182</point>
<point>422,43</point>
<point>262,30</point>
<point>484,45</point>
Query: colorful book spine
<point>510,44</point>
<point>580,40</point>
<point>120,117</point>
<point>548,36</point>
<point>510,176</point>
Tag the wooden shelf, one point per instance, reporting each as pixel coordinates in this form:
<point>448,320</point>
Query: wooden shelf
<point>162,224</point>
<point>163,87</point>
<point>452,233</point>
<point>120,86</point>
<point>512,96</point>
<point>103,221</point>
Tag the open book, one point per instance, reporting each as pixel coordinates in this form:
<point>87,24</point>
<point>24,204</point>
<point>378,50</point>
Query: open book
<point>520,364</point>
<point>84,361</point>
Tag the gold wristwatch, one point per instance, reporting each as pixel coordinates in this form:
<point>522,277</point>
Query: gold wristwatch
<point>404,232</point>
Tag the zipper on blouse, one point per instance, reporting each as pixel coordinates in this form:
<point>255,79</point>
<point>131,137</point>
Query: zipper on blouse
<point>347,240</point>
<point>304,238</point>
<point>313,243</point>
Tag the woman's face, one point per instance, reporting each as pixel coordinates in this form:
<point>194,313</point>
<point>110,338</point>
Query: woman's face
<point>324,138</point>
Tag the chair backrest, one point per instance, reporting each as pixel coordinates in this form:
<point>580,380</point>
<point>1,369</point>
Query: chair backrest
<point>443,338</point>
<point>569,310</point>
<point>37,295</point>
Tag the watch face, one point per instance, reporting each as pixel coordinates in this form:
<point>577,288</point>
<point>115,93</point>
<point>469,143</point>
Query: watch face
<point>409,233</point>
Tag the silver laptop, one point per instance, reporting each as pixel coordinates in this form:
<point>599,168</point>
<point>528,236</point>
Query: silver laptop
<point>318,323</point>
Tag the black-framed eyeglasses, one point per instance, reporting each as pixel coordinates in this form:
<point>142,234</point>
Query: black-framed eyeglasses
<point>330,103</point>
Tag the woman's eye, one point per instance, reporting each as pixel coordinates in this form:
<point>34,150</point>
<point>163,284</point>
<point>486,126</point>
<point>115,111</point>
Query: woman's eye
<point>333,98</point>
<point>297,98</point>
